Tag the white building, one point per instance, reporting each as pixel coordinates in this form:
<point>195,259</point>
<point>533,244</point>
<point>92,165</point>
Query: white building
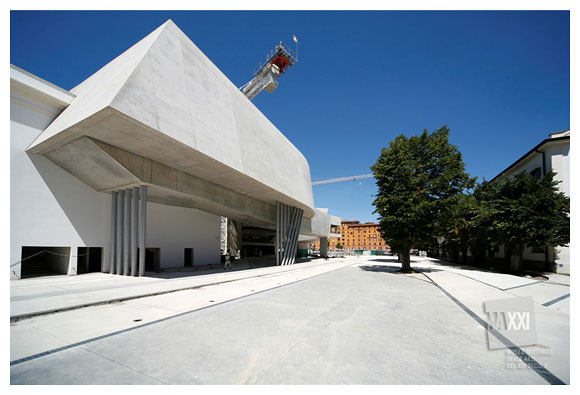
<point>552,153</point>
<point>132,169</point>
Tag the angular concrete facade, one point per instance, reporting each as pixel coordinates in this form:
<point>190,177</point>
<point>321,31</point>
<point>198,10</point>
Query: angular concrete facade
<point>164,92</point>
<point>163,117</point>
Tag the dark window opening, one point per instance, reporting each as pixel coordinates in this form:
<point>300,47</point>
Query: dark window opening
<point>188,257</point>
<point>258,242</point>
<point>152,259</point>
<point>44,261</point>
<point>89,259</point>
<point>538,250</point>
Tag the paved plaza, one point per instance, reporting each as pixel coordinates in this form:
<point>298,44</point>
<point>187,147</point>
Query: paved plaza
<point>346,321</point>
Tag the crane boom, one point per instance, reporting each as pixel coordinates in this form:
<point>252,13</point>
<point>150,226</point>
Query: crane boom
<point>342,179</point>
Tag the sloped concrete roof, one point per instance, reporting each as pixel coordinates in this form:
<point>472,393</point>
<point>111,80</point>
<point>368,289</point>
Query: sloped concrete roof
<point>165,101</point>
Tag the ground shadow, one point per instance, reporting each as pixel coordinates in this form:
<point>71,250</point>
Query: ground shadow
<point>200,270</point>
<point>494,269</point>
<point>395,268</point>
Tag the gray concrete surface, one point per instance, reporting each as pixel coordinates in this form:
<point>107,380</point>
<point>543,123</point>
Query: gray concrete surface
<point>164,92</point>
<point>55,293</point>
<point>360,324</point>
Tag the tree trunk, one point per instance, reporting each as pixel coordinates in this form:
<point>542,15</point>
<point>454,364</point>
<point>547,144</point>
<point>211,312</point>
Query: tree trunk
<point>490,257</point>
<point>463,256</point>
<point>507,256</point>
<point>516,258</point>
<point>406,261</point>
<point>455,255</point>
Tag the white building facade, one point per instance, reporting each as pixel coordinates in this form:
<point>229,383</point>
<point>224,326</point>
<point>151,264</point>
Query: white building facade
<point>552,153</point>
<point>131,170</point>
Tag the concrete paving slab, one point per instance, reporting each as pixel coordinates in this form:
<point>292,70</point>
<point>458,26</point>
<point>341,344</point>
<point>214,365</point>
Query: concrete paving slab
<point>41,296</point>
<point>553,327</point>
<point>93,366</point>
<point>99,320</point>
<point>497,280</point>
<point>542,292</point>
<point>562,305</point>
<point>558,278</point>
<point>350,326</point>
<point>28,340</point>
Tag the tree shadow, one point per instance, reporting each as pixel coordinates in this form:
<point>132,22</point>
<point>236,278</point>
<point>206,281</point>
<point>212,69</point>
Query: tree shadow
<point>395,268</point>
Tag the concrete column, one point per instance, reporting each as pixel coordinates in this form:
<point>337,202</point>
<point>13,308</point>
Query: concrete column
<point>73,261</point>
<point>119,234</point>
<point>142,230</point>
<point>113,238</point>
<point>127,232</point>
<point>224,234</point>
<point>324,247</point>
<point>278,233</point>
<point>134,230</point>
<point>299,214</point>
<point>288,220</point>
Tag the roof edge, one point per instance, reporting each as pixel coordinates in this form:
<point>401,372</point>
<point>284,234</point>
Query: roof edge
<point>30,81</point>
<point>535,149</point>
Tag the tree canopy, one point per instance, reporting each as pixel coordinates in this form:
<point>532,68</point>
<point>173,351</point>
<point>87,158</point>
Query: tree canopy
<point>527,211</point>
<point>418,178</point>
<point>426,200</point>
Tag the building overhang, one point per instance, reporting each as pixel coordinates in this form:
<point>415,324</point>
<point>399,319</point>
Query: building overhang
<point>163,104</point>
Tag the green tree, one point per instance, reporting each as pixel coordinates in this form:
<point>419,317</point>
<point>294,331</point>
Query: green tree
<point>418,178</point>
<point>456,225</point>
<point>531,212</point>
<point>485,237</point>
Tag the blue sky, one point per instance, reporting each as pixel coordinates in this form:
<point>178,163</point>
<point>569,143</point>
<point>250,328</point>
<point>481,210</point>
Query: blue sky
<point>499,80</point>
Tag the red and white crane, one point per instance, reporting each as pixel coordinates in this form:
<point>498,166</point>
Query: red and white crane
<point>267,74</point>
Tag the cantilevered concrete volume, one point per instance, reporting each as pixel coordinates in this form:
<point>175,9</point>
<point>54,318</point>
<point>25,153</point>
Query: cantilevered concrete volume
<point>162,116</point>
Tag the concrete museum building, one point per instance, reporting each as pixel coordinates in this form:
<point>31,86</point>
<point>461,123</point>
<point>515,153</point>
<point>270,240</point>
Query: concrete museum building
<point>135,168</point>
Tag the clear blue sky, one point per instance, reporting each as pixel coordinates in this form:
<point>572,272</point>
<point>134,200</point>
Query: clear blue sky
<point>499,80</point>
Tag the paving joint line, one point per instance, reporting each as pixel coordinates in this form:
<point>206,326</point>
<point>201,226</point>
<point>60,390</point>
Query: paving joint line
<point>90,340</point>
<point>20,317</point>
<point>556,300</point>
<point>521,354</point>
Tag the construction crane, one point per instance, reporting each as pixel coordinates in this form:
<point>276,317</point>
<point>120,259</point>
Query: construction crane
<point>342,179</point>
<point>267,74</point>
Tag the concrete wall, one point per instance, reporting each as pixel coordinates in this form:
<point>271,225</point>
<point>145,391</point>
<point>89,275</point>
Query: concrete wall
<point>48,206</point>
<point>52,208</point>
<point>172,229</point>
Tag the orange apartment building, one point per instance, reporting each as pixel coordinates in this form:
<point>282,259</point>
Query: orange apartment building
<point>357,236</point>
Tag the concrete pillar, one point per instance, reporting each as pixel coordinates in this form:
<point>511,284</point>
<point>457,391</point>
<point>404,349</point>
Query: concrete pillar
<point>119,234</point>
<point>278,234</point>
<point>73,261</point>
<point>324,247</point>
<point>134,231</point>
<point>224,234</point>
<point>127,232</point>
<point>142,230</point>
<point>113,238</point>
<point>288,220</point>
